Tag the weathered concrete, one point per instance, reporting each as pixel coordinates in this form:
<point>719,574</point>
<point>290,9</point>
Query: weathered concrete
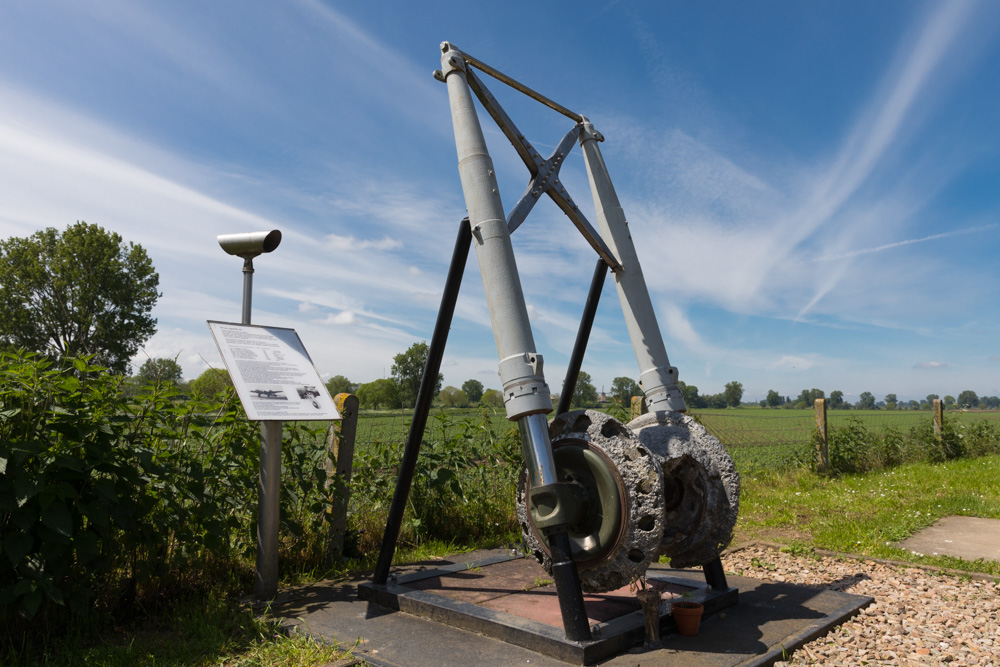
<point>965,537</point>
<point>701,483</point>
<point>769,619</point>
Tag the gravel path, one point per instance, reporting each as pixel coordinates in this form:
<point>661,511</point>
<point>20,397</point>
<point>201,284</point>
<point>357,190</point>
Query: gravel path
<point>919,617</point>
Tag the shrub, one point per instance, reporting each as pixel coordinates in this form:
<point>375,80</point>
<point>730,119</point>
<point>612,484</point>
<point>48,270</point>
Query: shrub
<point>110,504</point>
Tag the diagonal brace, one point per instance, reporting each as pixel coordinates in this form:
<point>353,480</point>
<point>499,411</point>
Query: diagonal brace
<point>544,173</point>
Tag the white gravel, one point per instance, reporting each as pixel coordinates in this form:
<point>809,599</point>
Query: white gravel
<point>919,617</point>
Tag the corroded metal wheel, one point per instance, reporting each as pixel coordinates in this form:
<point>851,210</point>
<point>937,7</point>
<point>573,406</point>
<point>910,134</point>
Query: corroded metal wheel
<point>622,529</point>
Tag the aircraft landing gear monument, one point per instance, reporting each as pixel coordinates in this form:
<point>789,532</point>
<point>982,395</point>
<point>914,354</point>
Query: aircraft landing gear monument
<point>599,501</point>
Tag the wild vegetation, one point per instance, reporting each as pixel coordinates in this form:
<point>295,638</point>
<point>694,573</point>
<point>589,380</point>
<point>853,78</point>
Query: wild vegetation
<point>122,507</point>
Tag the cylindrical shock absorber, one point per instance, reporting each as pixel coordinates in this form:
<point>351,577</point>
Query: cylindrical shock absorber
<point>526,395</point>
<point>657,377</point>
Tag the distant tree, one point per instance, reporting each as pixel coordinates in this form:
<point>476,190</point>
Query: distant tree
<point>733,394</point>
<point>382,393</point>
<point>82,291</point>
<point>773,399</point>
<point>407,371</point>
<point>585,393</point>
<point>949,401</point>
<point>492,398</point>
<point>890,398</point>
<point>931,397</point>
<point>624,388</point>
<point>714,401</point>
<point>837,400</point>
<point>339,384</point>
<point>866,401</point>
<point>160,371</point>
<point>473,390</point>
<point>210,383</point>
<point>968,399</point>
<point>691,397</point>
<point>453,397</point>
<point>991,402</point>
<point>914,405</point>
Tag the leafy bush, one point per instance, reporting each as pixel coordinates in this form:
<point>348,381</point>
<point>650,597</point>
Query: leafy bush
<point>109,504</point>
<point>463,486</point>
<point>856,448</point>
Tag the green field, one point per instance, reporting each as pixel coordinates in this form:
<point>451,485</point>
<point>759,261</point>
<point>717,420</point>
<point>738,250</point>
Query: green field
<point>754,437</point>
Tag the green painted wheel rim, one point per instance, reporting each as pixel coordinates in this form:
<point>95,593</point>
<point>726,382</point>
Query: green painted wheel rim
<point>602,526</point>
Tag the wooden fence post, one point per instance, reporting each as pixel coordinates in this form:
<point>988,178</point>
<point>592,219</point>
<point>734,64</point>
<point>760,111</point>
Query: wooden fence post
<point>340,448</point>
<point>639,407</point>
<point>822,444</point>
<point>937,410</point>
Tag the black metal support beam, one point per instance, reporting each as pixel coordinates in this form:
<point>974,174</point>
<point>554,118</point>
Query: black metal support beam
<point>582,337</point>
<point>715,576</point>
<point>425,395</point>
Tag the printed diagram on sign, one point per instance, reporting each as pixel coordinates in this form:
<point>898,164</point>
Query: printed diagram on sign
<point>270,393</point>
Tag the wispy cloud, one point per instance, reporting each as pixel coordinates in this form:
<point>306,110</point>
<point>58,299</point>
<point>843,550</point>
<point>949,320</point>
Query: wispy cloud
<point>930,365</point>
<point>899,244</point>
<point>349,243</point>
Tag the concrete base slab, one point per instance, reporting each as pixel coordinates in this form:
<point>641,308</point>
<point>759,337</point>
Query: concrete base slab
<point>769,619</point>
<point>965,537</point>
<point>512,599</point>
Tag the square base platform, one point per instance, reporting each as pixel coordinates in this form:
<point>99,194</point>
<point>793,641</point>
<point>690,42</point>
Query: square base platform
<point>513,600</point>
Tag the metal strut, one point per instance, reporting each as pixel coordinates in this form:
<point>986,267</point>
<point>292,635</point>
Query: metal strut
<point>527,398</point>
<point>425,395</point>
<point>582,337</point>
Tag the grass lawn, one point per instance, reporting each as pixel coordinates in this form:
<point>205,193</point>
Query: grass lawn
<point>868,514</point>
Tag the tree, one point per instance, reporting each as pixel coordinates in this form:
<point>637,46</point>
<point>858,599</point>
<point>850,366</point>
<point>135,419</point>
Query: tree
<point>473,390</point>
<point>210,383</point>
<point>733,394</point>
<point>160,371</point>
<point>453,397</point>
<point>949,400</point>
<point>968,399</point>
<point>890,402</point>
<point>339,384</point>
<point>408,369</point>
<point>691,397</point>
<point>866,401</point>
<point>714,401</point>
<point>837,400</point>
<point>83,291</point>
<point>381,393</point>
<point>624,388</point>
<point>773,399</point>
<point>493,398</point>
<point>585,393</point>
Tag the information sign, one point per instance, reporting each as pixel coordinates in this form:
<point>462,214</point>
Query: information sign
<point>273,374</point>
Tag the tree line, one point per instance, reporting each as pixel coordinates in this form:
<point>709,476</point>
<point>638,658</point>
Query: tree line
<point>867,401</point>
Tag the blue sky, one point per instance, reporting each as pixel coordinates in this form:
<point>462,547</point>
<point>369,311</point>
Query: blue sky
<point>814,188</point>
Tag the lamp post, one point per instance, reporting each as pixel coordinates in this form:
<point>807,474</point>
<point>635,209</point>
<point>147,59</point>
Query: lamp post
<point>248,246</point>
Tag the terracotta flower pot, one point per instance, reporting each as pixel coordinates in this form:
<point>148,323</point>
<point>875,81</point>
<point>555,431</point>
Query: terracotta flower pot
<point>687,617</point>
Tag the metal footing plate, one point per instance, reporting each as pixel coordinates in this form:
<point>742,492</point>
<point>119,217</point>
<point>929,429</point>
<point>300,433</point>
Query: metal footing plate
<point>512,600</point>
